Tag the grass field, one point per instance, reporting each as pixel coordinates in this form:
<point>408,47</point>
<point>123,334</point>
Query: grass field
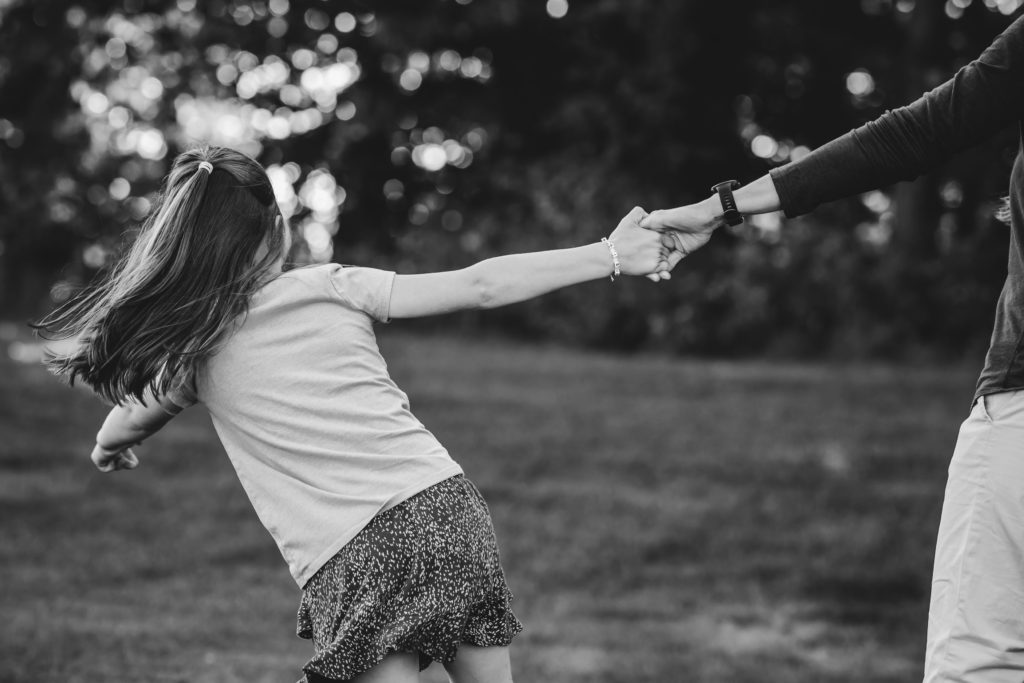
<point>660,520</point>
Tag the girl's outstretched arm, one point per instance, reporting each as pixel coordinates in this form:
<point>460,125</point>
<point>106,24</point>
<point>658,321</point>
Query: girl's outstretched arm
<point>127,425</point>
<point>517,277</point>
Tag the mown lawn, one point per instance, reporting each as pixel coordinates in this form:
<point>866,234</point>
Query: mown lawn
<point>660,520</point>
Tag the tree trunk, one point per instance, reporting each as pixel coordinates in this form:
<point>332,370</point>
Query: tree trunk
<point>916,203</point>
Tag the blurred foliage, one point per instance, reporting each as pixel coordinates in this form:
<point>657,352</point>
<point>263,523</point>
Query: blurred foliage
<point>426,134</point>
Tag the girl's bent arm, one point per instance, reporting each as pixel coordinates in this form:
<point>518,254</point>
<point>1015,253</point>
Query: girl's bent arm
<point>129,424</point>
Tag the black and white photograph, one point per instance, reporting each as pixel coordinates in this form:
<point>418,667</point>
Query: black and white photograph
<point>481,341</point>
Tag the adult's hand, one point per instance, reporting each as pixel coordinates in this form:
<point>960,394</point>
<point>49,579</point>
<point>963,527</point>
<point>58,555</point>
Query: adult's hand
<point>689,227</point>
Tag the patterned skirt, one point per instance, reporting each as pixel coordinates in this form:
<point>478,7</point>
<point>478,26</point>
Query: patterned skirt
<point>422,576</point>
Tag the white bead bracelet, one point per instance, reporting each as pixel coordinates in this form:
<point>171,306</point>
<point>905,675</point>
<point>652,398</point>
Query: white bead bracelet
<point>615,257</point>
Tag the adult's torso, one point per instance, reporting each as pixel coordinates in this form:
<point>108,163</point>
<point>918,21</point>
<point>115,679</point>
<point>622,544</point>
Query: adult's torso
<point>1004,363</point>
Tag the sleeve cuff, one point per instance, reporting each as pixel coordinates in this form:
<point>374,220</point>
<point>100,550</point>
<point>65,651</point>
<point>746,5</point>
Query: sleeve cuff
<point>385,306</point>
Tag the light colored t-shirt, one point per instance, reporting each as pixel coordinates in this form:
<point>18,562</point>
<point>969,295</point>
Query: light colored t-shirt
<point>321,437</point>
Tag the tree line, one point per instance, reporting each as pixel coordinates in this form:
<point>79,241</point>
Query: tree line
<point>425,134</point>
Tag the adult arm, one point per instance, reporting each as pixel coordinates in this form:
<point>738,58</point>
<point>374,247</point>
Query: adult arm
<point>982,98</point>
<point>517,277</point>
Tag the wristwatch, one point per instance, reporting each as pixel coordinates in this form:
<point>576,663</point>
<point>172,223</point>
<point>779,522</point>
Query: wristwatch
<point>731,214</point>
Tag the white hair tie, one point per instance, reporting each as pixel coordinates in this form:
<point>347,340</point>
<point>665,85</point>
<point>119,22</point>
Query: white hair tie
<point>206,166</point>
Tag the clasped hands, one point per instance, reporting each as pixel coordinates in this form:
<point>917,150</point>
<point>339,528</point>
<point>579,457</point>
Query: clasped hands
<point>652,244</point>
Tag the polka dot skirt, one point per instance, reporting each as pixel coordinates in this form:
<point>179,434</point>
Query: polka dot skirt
<point>423,576</point>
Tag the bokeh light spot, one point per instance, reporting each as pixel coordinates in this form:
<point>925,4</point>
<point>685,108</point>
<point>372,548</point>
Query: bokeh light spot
<point>557,8</point>
<point>764,146</point>
<point>316,19</point>
<point>449,60</point>
<point>327,43</point>
<point>410,80</point>
<point>303,58</point>
<point>278,128</point>
<point>119,117</point>
<point>96,103</point>
<point>345,22</point>
<point>799,152</point>
<point>471,67</point>
<point>151,144</point>
<point>1008,7</point>
<point>316,236</point>
<point>345,111</point>
<point>152,88</point>
<point>419,214</point>
<point>277,27</point>
<point>227,74</point>
<point>876,200</point>
<point>75,17</point>
<point>429,156</point>
<point>860,83</point>
<point>119,188</point>
<point>394,189</point>
<point>116,48</point>
<point>94,256</point>
<point>419,61</point>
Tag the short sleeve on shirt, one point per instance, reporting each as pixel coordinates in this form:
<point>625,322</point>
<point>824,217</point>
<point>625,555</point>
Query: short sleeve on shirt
<point>182,394</point>
<point>364,289</point>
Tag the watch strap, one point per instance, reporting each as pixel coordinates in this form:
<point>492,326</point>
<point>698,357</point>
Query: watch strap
<point>730,213</point>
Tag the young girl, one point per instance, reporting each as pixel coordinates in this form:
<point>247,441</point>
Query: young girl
<point>393,548</point>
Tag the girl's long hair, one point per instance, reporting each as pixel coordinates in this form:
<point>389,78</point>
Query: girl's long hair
<point>206,247</point>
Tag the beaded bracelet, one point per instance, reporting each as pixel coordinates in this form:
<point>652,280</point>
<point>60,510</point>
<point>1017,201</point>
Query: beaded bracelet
<point>615,258</point>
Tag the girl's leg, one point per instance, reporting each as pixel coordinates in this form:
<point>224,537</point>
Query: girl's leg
<point>398,667</point>
<point>480,665</point>
<point>976,619</point>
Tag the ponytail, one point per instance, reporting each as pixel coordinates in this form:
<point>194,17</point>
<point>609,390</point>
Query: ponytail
<point>205,249</point>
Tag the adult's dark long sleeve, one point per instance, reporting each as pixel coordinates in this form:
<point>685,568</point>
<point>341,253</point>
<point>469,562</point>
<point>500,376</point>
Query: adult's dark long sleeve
<point>982,98</point>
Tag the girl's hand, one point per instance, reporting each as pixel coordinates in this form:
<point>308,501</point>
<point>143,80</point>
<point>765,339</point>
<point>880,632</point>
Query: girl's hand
<point>641,252</point>
<point>107,460</point>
